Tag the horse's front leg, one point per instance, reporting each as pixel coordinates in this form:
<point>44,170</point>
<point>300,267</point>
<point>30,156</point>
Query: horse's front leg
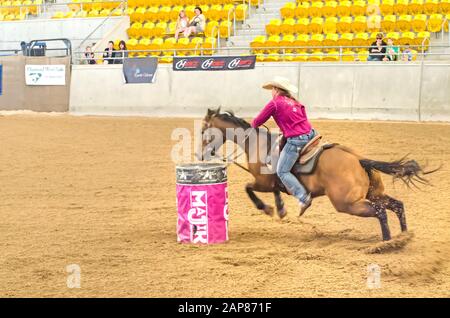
<point>250,188</point>
<point>280,204</point>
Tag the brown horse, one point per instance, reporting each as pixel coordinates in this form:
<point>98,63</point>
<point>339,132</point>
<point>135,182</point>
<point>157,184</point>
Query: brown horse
<point>352,183</point>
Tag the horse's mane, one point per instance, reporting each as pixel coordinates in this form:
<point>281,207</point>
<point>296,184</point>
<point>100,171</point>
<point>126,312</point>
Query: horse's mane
<point>229,116</point>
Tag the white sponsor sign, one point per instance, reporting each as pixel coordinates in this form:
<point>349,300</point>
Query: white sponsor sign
<point>45,74</point>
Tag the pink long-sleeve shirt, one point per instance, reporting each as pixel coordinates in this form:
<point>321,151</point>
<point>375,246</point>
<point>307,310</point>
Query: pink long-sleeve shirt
<point>289,115</point>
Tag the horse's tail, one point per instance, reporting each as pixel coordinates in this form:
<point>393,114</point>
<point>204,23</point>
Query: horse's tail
<point>408,171</point>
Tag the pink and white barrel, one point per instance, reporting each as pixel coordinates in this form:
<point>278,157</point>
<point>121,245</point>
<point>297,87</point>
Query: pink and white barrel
<point>202,201</point>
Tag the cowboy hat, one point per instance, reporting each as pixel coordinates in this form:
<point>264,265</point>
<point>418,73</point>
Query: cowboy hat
<point>281,82</point>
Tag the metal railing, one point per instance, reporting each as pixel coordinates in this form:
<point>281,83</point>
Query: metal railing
<point>337,52</point>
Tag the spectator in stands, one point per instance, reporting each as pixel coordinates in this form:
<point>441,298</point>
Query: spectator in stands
<point>377,49</point>
<point>391,51</point>
<point>110,54</point>
<point>122,53</point>
<point>197,23</point>
<point>182,23</point>
<point>90,57</point>
<point>407,53</point>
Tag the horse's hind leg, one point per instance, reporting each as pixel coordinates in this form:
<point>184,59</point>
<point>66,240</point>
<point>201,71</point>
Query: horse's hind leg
<point>250,188</point>
<point>280,204</point>
<point>365,208</point>
<point>398,208</point>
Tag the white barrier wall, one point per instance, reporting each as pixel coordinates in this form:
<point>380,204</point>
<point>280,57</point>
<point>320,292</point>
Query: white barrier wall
<point>352,91</point>
<point>75,29</point>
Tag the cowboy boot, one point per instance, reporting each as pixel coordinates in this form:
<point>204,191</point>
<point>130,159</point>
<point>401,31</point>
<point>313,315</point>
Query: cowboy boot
<point>305,205</point>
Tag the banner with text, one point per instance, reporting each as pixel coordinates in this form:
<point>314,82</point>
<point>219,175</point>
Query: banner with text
<point>140,70</point>
<point>216,63</point>
<point>45,75</point>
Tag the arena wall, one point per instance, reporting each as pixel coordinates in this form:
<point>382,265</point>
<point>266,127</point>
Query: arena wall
<point>16,95</point>
<point>353,91</point>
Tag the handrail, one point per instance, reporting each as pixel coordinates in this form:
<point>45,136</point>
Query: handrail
<point>228,20</point>
<point>102,23</point>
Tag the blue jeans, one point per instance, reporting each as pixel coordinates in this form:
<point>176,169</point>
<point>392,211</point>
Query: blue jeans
<point>288,157</point>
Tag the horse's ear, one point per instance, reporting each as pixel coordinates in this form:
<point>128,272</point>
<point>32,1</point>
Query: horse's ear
<point>210,112</point>
<point>218,111</point>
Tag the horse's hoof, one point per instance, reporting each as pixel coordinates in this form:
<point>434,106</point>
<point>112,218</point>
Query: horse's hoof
<point>268,210</point>
<point>282,213</point>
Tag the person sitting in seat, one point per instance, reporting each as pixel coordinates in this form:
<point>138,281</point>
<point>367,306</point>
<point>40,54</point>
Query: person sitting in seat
<point>197,23</point>
<point>122,53</point>
<point>110,54</point>
<point>377,49</point>
<point>290,116</point>
<point>182,23</point>
<point>407,54</point>
<point>90,57</point>
<point>391,51</point>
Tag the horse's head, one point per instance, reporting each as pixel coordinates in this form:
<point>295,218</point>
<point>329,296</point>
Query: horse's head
<point>211,135</point>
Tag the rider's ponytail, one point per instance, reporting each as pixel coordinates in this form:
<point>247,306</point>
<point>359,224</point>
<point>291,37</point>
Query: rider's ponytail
<point>283,92</point>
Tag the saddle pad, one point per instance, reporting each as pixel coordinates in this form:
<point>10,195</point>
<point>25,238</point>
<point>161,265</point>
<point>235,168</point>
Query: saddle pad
<point>311,164</point>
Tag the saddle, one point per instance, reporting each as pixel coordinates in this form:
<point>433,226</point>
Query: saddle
<point>309,155</point>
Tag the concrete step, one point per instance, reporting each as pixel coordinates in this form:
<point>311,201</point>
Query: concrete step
<point>268,10</point>
<point>258,18</point>
<point>252,32</point>
<point>243,38</point>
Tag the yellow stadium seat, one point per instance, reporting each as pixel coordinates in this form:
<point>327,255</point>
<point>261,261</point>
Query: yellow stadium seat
<point>344,24</point>
<point>331,56</point>
<point>227,11</point>
<point>190,11</point>
<point>164,13</point>
<point>444,5</point>
<point>205,9</point>
<point>93,14</point>
<point>225,29</point>
<point>182,47</point>
<point>259,57</point>
<point>401,7</point>
<point>344,8</point>
<point>241,12</point>
<point>446,24</point>
<point>316,40</point>
<point>196,45</point>
<point>287,26</point>
<point>69,15</point>
<point>147,30</point>
<point>287,41</point>
<point>257,43</point>
<point>171,28</point>
<point>363,55</point>
<point>419,22</point>
<point>361,40</point>
<point>316,25</point>
<point>156,46</point>
<point>358,8</point>
<point>435,23</point>
<point>406,37</point>
<point>373,22</point>
<point>214,12</point>
<point>431,7</point>
<point>415,7</point>
<point>138,15</point>
<point>301,40</point>
<point>404,23</point>
<point>315,10</point>
<point>288,58</point>
<point>330,39</point>
<point>134,30</point>
<point>175,12</point>
<point>330,25</point>
<point>208,45</point>
<point>160,29</point>
<point>272,57</point>
<point>131,45</point>
<point>211,29</point>
<point>105,12</point>
<point>315,56</point>
<point>273,27</point>
<point>272,41</point>
<point>389,23</point>
<point>129,11</point>
<point>346,39</point>
<point>143,44</point>
<point>330,9</point>
<point>395,36</point>
<point>81,14</point>
<point>288,10</point>
<point>422,37</point>
<point>58,15</point>
<point>359,24</point>
<point>151,14</point>
<point>302,10</point>
<point>301,26</point>
<point>348,56</point>
<point>168,46</point>
<point>387,7</point>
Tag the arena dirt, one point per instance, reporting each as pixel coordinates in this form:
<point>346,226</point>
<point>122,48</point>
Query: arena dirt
<point>100,193</point>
